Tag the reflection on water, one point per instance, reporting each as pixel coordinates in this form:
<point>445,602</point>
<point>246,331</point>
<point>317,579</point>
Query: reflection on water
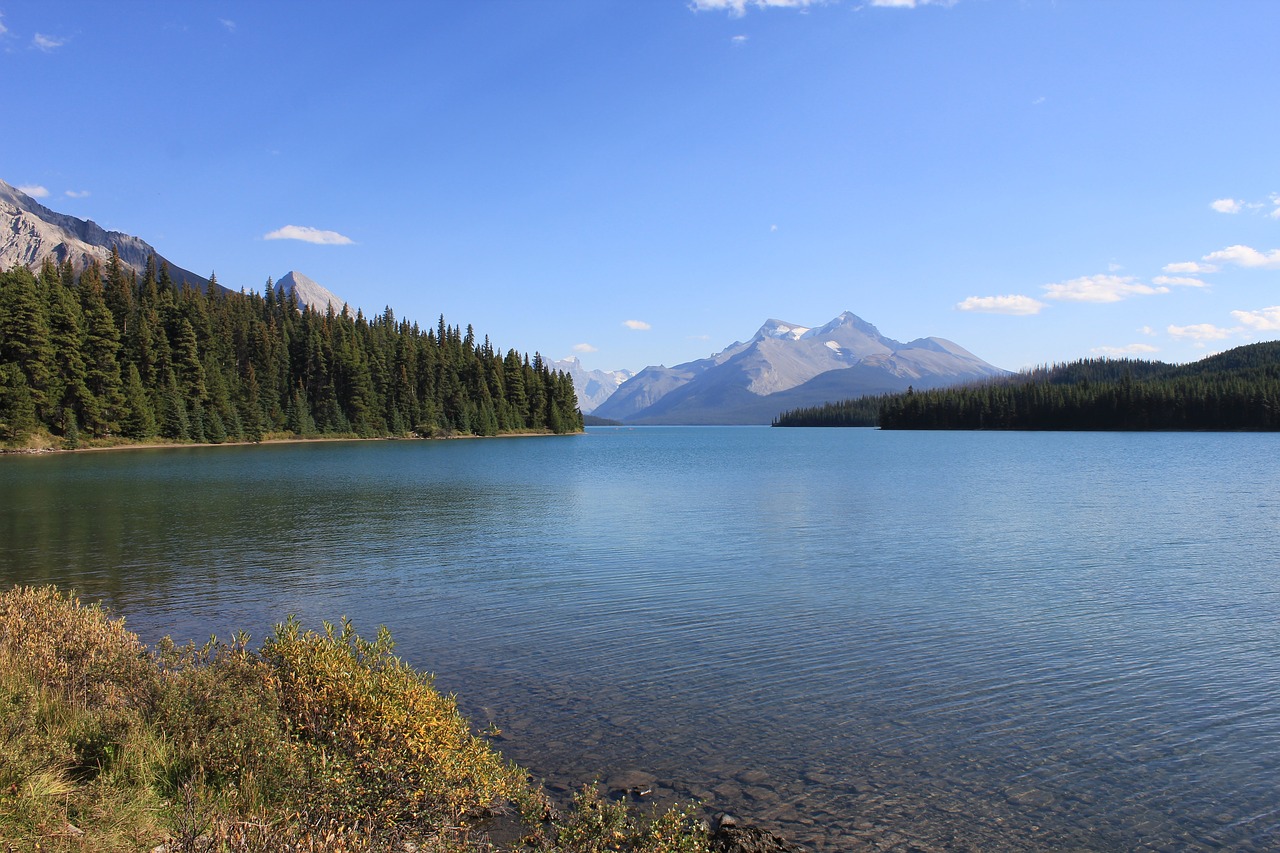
<point>863,639</point>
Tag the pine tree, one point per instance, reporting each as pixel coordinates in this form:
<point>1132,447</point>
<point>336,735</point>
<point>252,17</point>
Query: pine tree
<point>101,348</point>
<point>24,333</point>
<point>137,419</point>
<point>174,422</point>
<point>17,408</point>
<point>68,395</point>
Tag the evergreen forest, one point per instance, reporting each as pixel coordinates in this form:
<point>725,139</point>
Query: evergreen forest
<point>111,353</point>
<point>1237,390</point>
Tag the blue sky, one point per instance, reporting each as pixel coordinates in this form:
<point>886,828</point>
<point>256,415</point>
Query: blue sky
<point>646,181</point>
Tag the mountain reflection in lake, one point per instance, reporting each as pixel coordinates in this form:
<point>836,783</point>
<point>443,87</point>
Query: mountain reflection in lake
<point>861,639</point>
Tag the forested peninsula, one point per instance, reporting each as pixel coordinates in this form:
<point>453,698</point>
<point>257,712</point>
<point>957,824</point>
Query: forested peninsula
<point>107,353</point>
<point>1237,390</point>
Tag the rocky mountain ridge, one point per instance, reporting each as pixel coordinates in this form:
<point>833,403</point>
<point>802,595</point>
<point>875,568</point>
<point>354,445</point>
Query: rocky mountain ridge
<point>31,232</point>
<point>309,293</point>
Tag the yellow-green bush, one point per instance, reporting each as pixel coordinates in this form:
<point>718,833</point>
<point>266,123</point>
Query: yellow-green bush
<point>319,741</point>
<point>379,742</point>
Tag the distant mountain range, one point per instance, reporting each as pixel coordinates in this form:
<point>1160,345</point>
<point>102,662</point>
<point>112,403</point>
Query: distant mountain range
<point>786,366</point>
<point>31,232</point>
<point>592,386</point>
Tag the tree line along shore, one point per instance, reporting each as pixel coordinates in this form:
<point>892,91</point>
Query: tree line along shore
<point>105,353</point>
<point>1236,390</point>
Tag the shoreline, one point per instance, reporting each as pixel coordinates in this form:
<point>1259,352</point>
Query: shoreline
<point>159,445</point>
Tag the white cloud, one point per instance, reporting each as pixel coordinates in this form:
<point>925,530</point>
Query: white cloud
<point>1179,281</point>
<point>1100,288</point>
<point>1192,267</point>
<point>584,348</point>
<point>1038,101</point>
<point>1262,320</point>
<point>77,193</point>
<point>1148,331</point>
<point>910,4</point>
<point>1227,205</point>
<point>1131,349</point>
<point>638,325</point>
<point>738,40</point>
<point>1010,304</point>
<point>1199,332</point>
<point>3,28</point>
<point>229,24</point>
<point>309,235</point>
<point>34,190</point>
<point>47,43</point>
<point>738,8</point>
<point>1244,256</point>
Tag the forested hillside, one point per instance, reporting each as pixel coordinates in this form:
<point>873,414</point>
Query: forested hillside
<point>1235,390</point>
<point>111,353</point>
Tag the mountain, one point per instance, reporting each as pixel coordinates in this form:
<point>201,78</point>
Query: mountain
<point>785,366</point>
<point>31,232</point>
<point>308,293</point>
<point>593,386</point>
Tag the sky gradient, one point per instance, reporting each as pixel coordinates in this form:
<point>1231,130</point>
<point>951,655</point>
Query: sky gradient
<point>646,181</point>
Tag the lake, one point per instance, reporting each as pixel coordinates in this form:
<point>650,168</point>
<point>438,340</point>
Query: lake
<point>987,641</point>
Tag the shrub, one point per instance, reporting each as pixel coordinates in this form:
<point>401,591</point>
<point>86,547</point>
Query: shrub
<point>379,743</point>
<point>320,741</point>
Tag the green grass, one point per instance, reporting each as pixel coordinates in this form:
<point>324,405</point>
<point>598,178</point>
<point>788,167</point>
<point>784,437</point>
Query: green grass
<point>317,740</point>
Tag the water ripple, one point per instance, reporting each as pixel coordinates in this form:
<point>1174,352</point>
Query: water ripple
<point>959,641</point>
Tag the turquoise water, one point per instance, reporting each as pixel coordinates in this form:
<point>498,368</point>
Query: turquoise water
<point>966,640</point>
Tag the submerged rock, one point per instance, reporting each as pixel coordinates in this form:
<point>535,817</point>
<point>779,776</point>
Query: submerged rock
<point>727,836</point>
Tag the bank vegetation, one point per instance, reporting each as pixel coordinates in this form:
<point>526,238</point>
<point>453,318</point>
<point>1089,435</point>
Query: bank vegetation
<point>313,741</point>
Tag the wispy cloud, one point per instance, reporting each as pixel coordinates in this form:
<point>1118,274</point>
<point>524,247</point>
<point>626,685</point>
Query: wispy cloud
<point>584,348</point>
<point>1262,320</point>
<point>228,24</point>
<point>3,28</point>
<point>1191,267</point>
<point>738,40</point>
<point>638,325</point>
<point>1010,304</point>
<point>1178,281</point>
<point>738,8</point>
<point>1244,256</point>
<point>1227,205</point>
<point>1130,349</point>
<point>77,193</point>
<point>309,235</point>
<point>47,43</point>
<point>1199,332</point>
<point>1100,288</point>
<point>34,190</point>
